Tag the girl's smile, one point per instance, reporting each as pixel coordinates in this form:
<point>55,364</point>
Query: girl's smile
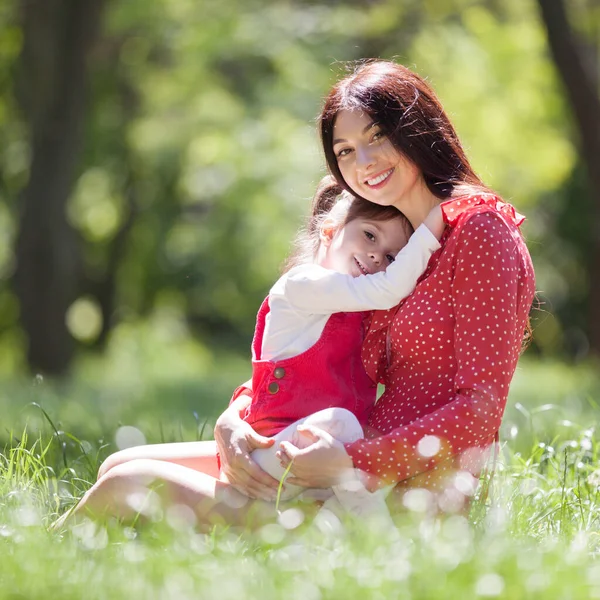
<point>361,267</point>
<point>362,247</point>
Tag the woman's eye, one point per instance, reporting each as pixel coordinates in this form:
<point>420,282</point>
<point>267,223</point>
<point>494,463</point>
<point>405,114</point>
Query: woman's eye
<point>370,236</point>
<point>391,258</point>
<point>378,135</point>
<point>342,152</point>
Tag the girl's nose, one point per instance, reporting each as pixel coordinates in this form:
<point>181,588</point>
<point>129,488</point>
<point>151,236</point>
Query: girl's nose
<point>376,257</point>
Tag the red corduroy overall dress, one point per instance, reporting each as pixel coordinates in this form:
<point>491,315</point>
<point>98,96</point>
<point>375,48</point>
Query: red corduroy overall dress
<point>330,373</point>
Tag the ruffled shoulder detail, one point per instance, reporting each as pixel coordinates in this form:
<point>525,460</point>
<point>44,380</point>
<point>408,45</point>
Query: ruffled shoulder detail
<point>453,209</point>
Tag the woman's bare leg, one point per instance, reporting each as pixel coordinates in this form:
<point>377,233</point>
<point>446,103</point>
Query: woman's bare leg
<point>199,456</point>
<point>145,488</point>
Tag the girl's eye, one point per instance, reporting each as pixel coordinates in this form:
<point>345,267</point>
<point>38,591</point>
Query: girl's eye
<point>343,152</point>
<point>378,135</point>
<point>370,236</point>
<point>391,258</point>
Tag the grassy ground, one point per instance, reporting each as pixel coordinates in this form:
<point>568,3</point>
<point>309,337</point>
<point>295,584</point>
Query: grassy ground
<point>537,535</point>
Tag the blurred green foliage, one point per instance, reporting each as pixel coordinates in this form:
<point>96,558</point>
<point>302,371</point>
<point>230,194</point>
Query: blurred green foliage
<point>201,153</point>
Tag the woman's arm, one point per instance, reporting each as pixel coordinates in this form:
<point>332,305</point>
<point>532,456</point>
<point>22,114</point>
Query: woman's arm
<point>492,292</point>
<point>236,440</point>
<point>322,464</point>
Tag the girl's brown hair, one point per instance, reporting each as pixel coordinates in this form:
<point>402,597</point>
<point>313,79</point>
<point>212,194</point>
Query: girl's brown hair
<point>331,201</point>
<point>411,116</point>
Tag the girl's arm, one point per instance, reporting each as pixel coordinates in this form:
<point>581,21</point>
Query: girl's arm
<point>491,303</point>
<point>316,290</point>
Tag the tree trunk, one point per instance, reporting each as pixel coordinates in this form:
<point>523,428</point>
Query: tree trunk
<point>58,36</point>
<point>581,85</point>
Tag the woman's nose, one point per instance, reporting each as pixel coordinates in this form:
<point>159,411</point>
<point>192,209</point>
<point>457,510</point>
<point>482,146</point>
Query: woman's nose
<point>364,157</point>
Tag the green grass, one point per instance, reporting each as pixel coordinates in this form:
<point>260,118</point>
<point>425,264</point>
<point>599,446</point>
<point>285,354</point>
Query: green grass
<point>536,536</point>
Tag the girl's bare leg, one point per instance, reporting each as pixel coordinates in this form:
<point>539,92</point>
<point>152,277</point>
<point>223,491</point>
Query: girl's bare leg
<point>145,488</point>
<point>199,456</point>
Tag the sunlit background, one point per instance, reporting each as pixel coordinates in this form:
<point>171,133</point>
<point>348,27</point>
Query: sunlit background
<point>156,160</point>
<point>144,221</point>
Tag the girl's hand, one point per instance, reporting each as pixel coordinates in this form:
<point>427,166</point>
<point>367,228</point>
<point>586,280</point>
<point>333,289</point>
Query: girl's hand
<point>321,465</point>
<point>435,221</point>
<point>236,439</point>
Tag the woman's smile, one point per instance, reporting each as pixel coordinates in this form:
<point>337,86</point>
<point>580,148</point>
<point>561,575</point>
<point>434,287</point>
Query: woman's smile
<point>380,180</point>
<point>369,162</point>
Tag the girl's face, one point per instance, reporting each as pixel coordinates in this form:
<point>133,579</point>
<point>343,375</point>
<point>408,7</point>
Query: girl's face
<point>369,163</point>
<point>362,247</point>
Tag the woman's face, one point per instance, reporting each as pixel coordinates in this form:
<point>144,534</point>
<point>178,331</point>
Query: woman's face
<point>369,163</point>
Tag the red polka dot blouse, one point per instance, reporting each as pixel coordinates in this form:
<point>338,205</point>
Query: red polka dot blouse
<point>447,353</point>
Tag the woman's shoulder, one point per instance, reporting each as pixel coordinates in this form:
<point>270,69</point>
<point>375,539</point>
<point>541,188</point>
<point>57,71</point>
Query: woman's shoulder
<point>485,226</point>
<point>482,218</point>
<point>457,212</point>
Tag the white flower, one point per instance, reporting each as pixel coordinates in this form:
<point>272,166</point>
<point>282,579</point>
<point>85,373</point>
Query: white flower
<point>594,478</point>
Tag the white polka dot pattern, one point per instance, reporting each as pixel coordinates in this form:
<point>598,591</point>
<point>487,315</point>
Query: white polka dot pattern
<point>448,353</point>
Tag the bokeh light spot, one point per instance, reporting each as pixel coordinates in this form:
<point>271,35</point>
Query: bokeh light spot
<point>128,436</point>
<point>272,533</point>
<point>84,319</point>
<point>418,500</point>
<point>489,585</point>
<point>429,446</point>
<point>291,518</point>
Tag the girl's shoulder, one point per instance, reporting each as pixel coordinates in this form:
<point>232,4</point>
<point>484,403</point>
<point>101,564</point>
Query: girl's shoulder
<point>305,270</point>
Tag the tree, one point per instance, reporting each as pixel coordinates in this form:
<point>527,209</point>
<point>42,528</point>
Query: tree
<point>580,81</point>
<point>177,188</point>
<point>57,38</point>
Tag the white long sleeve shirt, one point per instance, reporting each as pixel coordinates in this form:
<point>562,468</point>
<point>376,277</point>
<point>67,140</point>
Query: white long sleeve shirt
<point>303,299</point>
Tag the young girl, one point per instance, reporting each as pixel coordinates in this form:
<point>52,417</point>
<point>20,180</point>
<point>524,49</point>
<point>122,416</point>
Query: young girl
<point>307,370</point>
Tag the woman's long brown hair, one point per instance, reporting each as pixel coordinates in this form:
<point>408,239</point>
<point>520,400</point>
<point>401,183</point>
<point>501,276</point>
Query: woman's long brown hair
<point>411,116</point>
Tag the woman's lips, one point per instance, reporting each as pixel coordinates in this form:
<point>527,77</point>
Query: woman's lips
<point>379,180</point>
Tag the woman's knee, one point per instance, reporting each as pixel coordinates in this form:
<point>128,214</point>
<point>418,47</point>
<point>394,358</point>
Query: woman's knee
<point>107,465</point>
<point>124,491</point>
<point>118,469</point>
<point>142,470</point>
<point>115,459</point>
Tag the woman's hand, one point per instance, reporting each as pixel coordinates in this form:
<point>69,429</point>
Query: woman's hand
<point>435,221</point>
<point>236,439</point>
<point>321,465</point>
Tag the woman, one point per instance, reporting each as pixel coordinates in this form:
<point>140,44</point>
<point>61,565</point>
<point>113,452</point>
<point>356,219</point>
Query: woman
<point>446,354</point>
